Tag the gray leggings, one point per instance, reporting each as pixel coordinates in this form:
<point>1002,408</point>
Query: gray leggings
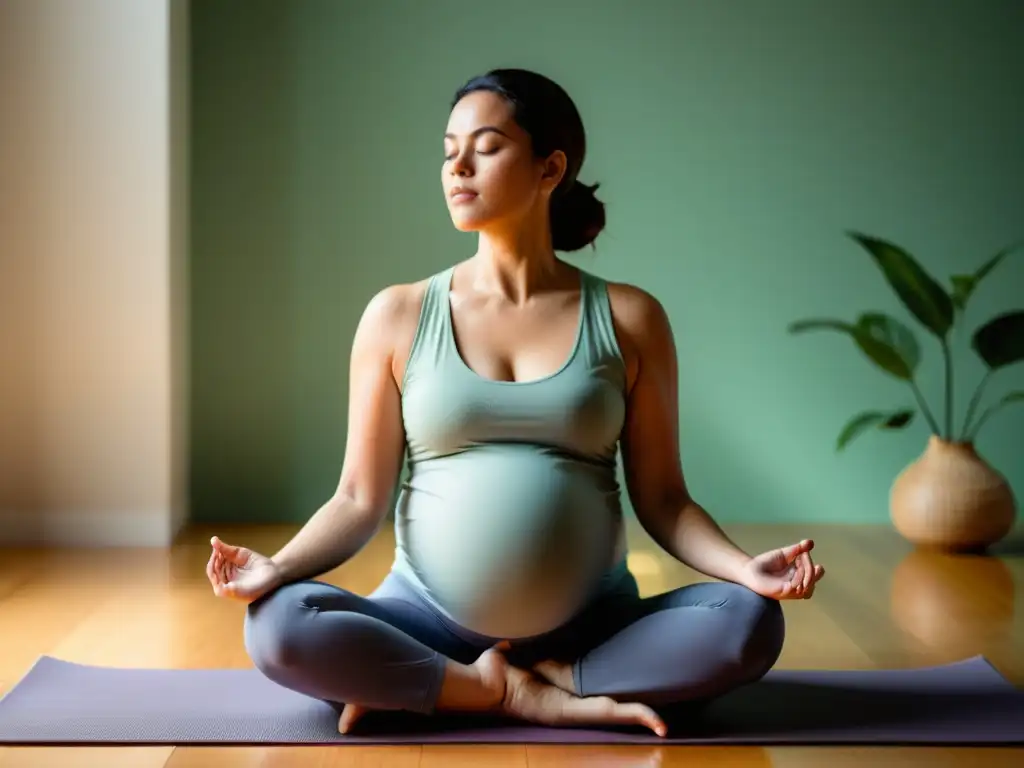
<point>388,650</point>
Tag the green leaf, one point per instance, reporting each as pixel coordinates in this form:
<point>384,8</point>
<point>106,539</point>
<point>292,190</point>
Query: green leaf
<point>893,334</point>
<point>1000,342</point>
<point>965,285</point>
<point>919,292</point>
<point>863,334</point>
<point>867,419</point>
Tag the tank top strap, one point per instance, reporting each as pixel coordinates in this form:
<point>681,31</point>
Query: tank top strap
<point>599,336</point>
<point>430,342</point>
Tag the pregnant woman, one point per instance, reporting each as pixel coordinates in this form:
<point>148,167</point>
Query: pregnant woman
<point>511,381</point>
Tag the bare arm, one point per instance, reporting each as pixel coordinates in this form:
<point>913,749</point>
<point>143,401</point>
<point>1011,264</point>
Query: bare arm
<point>650,444</point>
<point>373,450</point>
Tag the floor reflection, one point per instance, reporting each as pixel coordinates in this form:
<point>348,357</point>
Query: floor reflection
<point>608,756</point>
<point>957,605</point>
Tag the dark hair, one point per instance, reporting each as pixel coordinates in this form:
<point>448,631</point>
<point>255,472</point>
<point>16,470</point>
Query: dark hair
<point>544,110</point>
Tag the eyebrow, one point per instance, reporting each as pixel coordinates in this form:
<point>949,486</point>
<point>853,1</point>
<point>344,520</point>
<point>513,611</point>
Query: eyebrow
<point>481,130</point>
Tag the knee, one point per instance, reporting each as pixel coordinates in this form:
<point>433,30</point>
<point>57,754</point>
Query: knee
<point>275,624</point>
<point>762,631</point>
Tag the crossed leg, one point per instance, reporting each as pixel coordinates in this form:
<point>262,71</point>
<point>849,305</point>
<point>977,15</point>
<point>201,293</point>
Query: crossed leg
<point>690,644</point>
<point>389,651</point>
<point>384,651</point>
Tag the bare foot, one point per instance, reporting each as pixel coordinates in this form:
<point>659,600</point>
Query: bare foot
<point>523,695</point>
<point>529,698</point>
<point>486,676</point>
<point>556,673</point>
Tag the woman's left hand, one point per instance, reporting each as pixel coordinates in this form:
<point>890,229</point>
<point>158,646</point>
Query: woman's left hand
<point>787,573</point>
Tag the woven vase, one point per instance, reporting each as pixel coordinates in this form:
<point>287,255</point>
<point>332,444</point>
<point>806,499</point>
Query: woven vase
<point>951,499</point>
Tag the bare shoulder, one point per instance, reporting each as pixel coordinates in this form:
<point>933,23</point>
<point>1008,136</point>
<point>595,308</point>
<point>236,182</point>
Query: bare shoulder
<point>389,321</point>
<point>641,326</point>
<point>395,304</point>
<point>639,317</point>
<point>634,307</point>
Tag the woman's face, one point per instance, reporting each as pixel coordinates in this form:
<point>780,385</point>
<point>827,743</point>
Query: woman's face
<point>489,156</point>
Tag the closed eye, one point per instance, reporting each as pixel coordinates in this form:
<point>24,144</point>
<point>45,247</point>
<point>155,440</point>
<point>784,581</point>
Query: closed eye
<point>479,152</point>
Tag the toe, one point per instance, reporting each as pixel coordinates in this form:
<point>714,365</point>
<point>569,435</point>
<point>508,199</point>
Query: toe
<point>646,717</point>
<point>349,716</point>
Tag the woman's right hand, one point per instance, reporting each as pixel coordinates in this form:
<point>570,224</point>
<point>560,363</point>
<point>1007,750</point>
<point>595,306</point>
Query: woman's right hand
<point>240,573</point>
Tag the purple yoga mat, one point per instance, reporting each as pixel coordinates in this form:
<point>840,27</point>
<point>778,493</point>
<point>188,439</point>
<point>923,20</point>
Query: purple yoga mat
<point>59,702</point>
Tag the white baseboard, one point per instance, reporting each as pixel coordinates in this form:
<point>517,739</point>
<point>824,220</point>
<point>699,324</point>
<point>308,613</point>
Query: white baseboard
<point>76,528</point>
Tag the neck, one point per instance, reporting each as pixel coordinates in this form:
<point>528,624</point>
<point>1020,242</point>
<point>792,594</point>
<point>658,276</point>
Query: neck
<point>517,262</point>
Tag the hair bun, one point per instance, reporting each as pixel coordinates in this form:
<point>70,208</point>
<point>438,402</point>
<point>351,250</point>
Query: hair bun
<point>577,217</point>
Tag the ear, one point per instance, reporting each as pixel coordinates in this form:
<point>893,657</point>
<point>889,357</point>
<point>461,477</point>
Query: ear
<point>552,170</point>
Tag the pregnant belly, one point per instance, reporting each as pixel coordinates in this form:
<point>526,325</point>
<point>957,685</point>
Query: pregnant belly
<point>509,542</point>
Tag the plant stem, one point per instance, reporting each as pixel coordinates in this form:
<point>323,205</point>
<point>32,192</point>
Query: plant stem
<point>972,406</point>
<point>973,434</point>
<point>924,408</point>
<point>947,358</point>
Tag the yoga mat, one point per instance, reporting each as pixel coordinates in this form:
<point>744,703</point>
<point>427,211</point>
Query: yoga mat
<point>58,702</point>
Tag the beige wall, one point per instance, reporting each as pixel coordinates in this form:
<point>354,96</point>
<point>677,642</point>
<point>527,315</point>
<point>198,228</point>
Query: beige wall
<point>93,239</point>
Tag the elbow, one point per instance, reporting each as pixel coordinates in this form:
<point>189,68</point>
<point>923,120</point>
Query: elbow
<point>665,507</point>
<point>659,516</point>
<point>365,505</point>
<point>662,514</point>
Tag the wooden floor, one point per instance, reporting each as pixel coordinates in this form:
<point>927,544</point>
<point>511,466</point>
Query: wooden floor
<point>881,605</point>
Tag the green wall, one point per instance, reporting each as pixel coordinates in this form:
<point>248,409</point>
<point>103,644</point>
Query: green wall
<point>735,143</point>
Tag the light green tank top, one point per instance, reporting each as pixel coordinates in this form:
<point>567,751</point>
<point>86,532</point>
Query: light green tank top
<point>494,466</point>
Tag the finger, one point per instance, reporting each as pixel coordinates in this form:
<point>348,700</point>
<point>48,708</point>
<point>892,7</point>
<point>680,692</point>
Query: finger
<point>228,589</point>
<point>819,572</point>
<point>798,571</point>
<point>793,551</point>
<point>211,572</point>
<point>795,577</point>
<point>228,569</point>
<point>228,551</point>
<point>808,570</point>
<point>218,567</point>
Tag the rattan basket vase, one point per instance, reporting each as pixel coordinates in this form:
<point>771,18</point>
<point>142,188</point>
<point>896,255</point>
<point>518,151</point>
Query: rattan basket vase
<point>950,498</point>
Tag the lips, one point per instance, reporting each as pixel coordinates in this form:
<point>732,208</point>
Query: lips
<point>462,194</point>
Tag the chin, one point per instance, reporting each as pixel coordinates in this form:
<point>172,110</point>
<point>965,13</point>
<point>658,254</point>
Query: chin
<point>468,223</point>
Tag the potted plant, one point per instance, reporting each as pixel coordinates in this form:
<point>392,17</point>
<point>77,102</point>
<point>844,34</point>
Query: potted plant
<point>950,497</point>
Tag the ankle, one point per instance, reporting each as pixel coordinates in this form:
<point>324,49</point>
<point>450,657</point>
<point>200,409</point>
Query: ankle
<point>475,687</point>
<point>493,680</point>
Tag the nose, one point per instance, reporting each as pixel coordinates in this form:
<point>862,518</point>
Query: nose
<point>460,166</point>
